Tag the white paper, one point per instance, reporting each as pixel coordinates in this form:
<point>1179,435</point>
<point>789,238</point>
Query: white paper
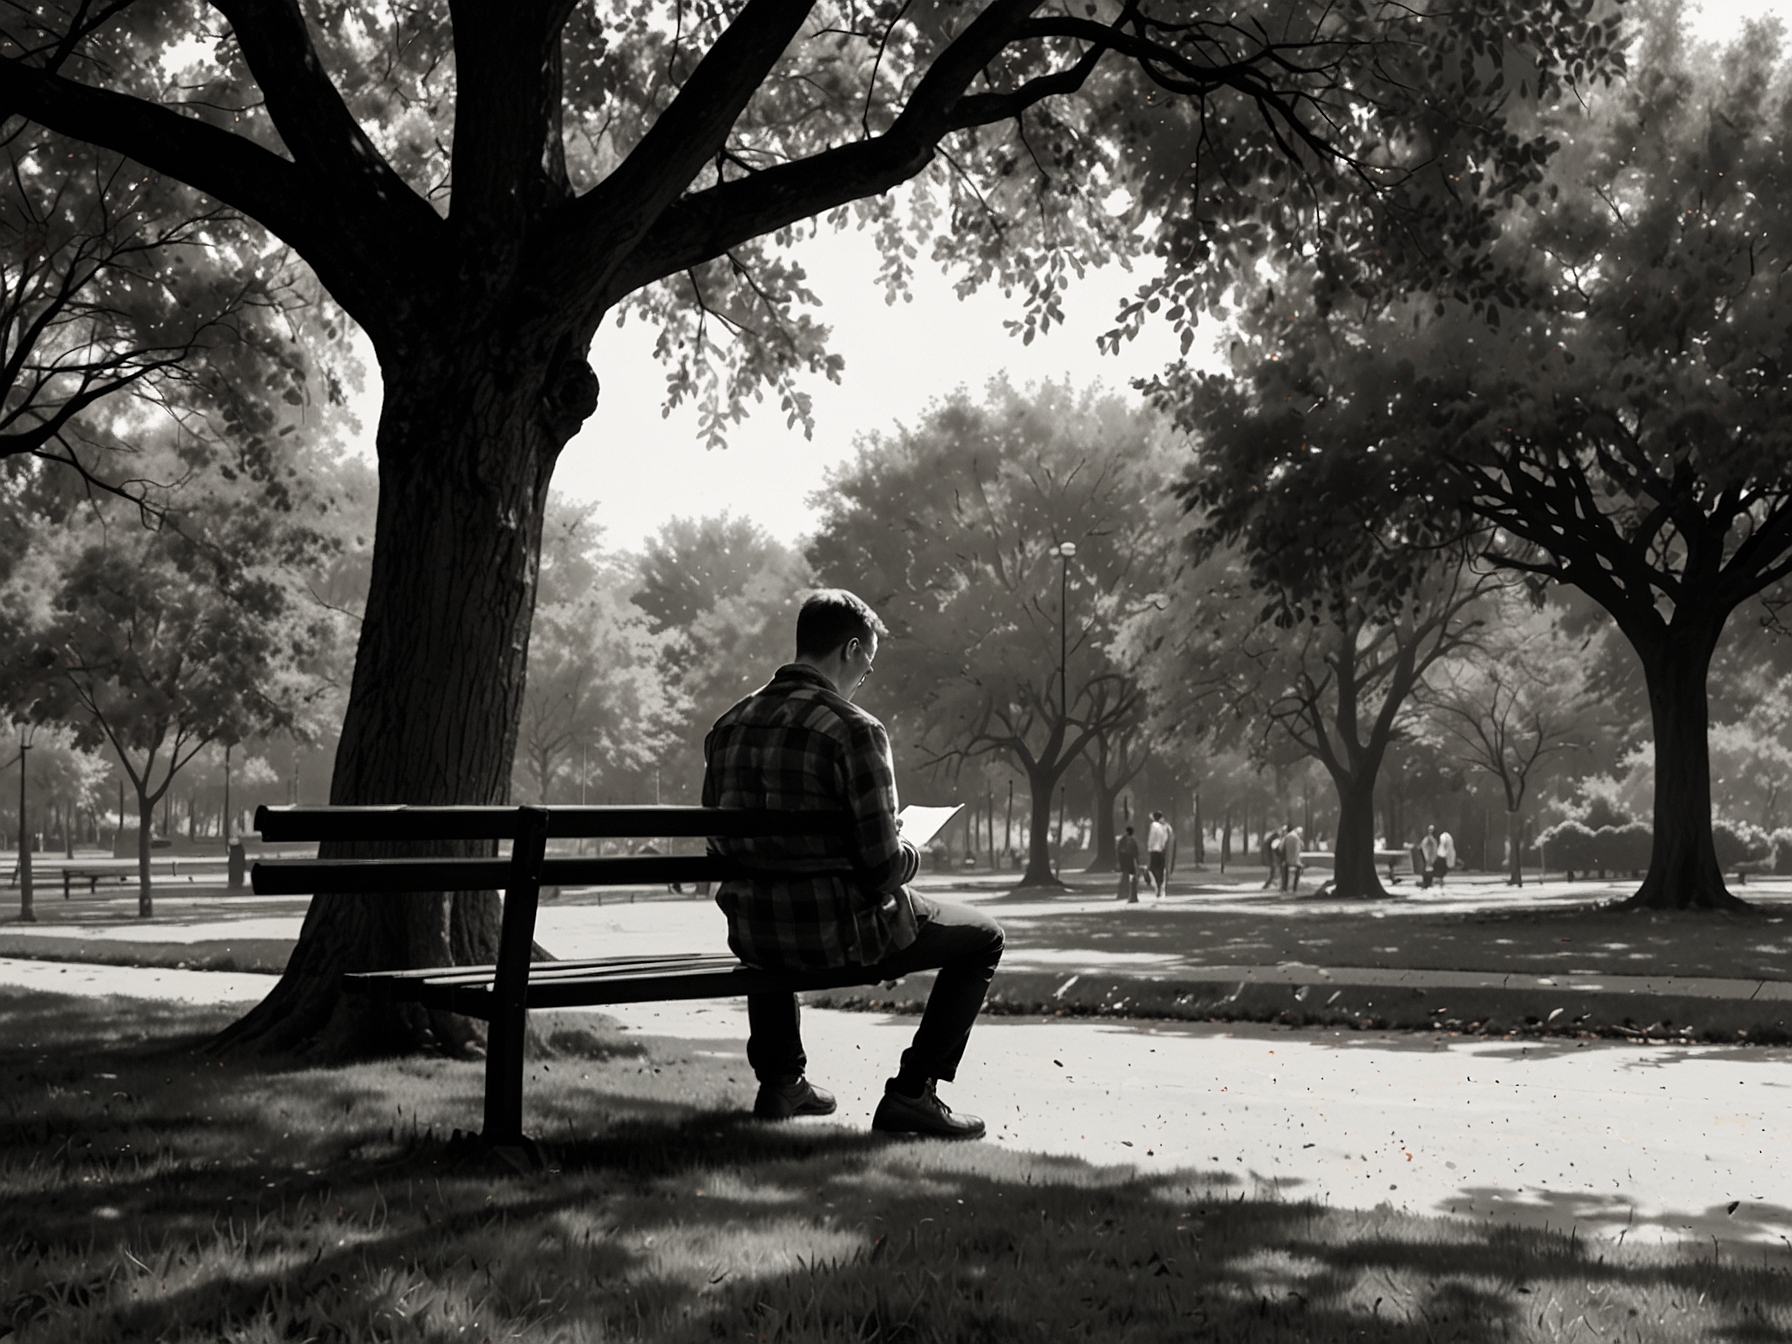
<point>918,825</point>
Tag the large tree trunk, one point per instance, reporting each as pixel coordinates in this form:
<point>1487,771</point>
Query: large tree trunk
<point>1042,785</point>
<point>1106,852</point>
<point>467,447</point>
<point>1354,872</point>
<point>1683,868</point>
<point>146,816</point>
<point>27,894</point>
<point>1514,847</point>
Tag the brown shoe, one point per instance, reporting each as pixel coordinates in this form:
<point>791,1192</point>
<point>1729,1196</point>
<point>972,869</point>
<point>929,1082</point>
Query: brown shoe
<point>925,1114</point>
<point>781,1101</point>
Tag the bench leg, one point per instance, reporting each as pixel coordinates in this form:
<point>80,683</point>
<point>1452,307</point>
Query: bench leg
<point>510,988</point>
<point>504,1078</point>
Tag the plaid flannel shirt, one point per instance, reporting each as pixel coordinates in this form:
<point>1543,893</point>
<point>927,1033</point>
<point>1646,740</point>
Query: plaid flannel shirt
<point>833,900</point>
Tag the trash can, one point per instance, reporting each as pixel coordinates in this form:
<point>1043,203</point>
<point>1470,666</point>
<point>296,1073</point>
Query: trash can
<point>238,865</point>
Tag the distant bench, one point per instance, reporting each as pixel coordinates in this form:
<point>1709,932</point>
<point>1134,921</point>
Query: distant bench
<point>70,875</point>
<point>501,994</point>
<point>1326,858</point>
<point>94,876</point>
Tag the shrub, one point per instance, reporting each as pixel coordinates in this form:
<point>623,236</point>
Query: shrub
<point>1567,844</point>
<point>1571,845</point>
<point>1782,850</point>
<point>1738,842</point>
<point>1603,814</point>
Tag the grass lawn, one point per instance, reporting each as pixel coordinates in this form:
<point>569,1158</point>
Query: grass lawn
<point>1478,925</point>
<point>150,1192</point>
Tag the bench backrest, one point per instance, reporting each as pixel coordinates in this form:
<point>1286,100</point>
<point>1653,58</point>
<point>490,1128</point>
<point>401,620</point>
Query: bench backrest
<point>417,826</point>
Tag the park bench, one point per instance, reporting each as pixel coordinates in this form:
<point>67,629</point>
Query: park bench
<point>94,876</point>
<point>502,993</point>
<point>1326,858</point>
<point>1755,866</point>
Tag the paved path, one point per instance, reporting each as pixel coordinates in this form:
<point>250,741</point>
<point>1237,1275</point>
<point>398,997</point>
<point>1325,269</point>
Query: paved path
<point>653,926</point>
<point>1618,1140</point>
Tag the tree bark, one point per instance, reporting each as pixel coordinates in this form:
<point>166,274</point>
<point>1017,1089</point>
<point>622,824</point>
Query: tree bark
<point>1354,872</point>
<point>1514,847</point>
<point>1105,856</point>
<point>146,816</point>
<point>1683,868</point>
<point>467,445</point>
<point>1042,785</point>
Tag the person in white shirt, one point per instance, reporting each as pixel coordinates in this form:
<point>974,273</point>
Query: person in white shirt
<point>1446,857</point>
<point>1428,848</point>
<point>1157,848</point>
<point>1291,864</point>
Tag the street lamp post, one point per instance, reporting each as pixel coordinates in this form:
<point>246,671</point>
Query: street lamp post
<point>27,913</point>
<point>1064,550</point>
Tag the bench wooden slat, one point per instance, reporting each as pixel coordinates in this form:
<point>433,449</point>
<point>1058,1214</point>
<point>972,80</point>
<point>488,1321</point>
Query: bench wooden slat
<point>714,977</point>
<point>305,877</point>
<point>362,981</point>
<point>400,985</point>
<point>287,823</point>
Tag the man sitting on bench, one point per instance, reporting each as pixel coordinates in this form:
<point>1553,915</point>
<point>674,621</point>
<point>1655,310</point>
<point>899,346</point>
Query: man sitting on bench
<point>799,743</point>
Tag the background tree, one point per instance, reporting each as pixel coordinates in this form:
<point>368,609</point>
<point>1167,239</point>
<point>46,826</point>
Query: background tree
<point>116,283</point>
<point>596,708</point>
<point>1625,432</point>
<point>948,530</point>
<point>1513,703</point>
<point>1331,668</point>
<point>721,595</point>
<point>1611,417</point>
<point>1323,586</point>
<point>65,782</point>
<point>1115,757</point>
<point>156,641</point>
<point>616,158</point>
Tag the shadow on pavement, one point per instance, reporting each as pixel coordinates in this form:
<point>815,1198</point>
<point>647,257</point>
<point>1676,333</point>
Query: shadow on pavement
<point>149,1192</point>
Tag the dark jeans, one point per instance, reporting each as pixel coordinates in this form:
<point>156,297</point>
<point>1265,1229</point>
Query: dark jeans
<point>1157,870</point>
<point>963,943</point>
<point>1129,883</point>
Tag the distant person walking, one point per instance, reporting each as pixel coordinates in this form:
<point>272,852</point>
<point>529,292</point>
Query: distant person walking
<point>1126,858</point>
<point>1446,856</point>
<point>1157,846</point>
<point>1428,844</point>
<point>1291,864</point>
<point>1272,857</point>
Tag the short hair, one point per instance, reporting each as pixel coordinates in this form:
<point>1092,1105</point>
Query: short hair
<point>1129,830</point>
<point>830,617</point>
<point>1158,815</point>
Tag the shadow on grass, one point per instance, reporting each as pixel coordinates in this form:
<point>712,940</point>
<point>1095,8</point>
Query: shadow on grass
<point>1547,940</point>
<point>148,1192</point>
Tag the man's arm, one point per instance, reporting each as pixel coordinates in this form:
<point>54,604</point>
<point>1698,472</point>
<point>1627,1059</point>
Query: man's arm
<point>887,860</point>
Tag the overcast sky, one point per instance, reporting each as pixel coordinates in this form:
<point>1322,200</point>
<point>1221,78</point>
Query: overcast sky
<point>643,469</point>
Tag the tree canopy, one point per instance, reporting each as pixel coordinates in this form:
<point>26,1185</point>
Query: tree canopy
<point>949,529</point>
<point>1615,418</point>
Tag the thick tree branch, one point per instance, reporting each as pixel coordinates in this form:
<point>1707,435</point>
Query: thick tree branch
<point>708,223</point>
<point>374,274</point>
<point>610,221</point>
<point>322,135</point>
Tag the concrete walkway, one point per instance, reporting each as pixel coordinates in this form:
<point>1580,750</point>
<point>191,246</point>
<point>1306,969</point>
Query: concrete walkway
<point>1662,1143</point>
<point>1099,976</point>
